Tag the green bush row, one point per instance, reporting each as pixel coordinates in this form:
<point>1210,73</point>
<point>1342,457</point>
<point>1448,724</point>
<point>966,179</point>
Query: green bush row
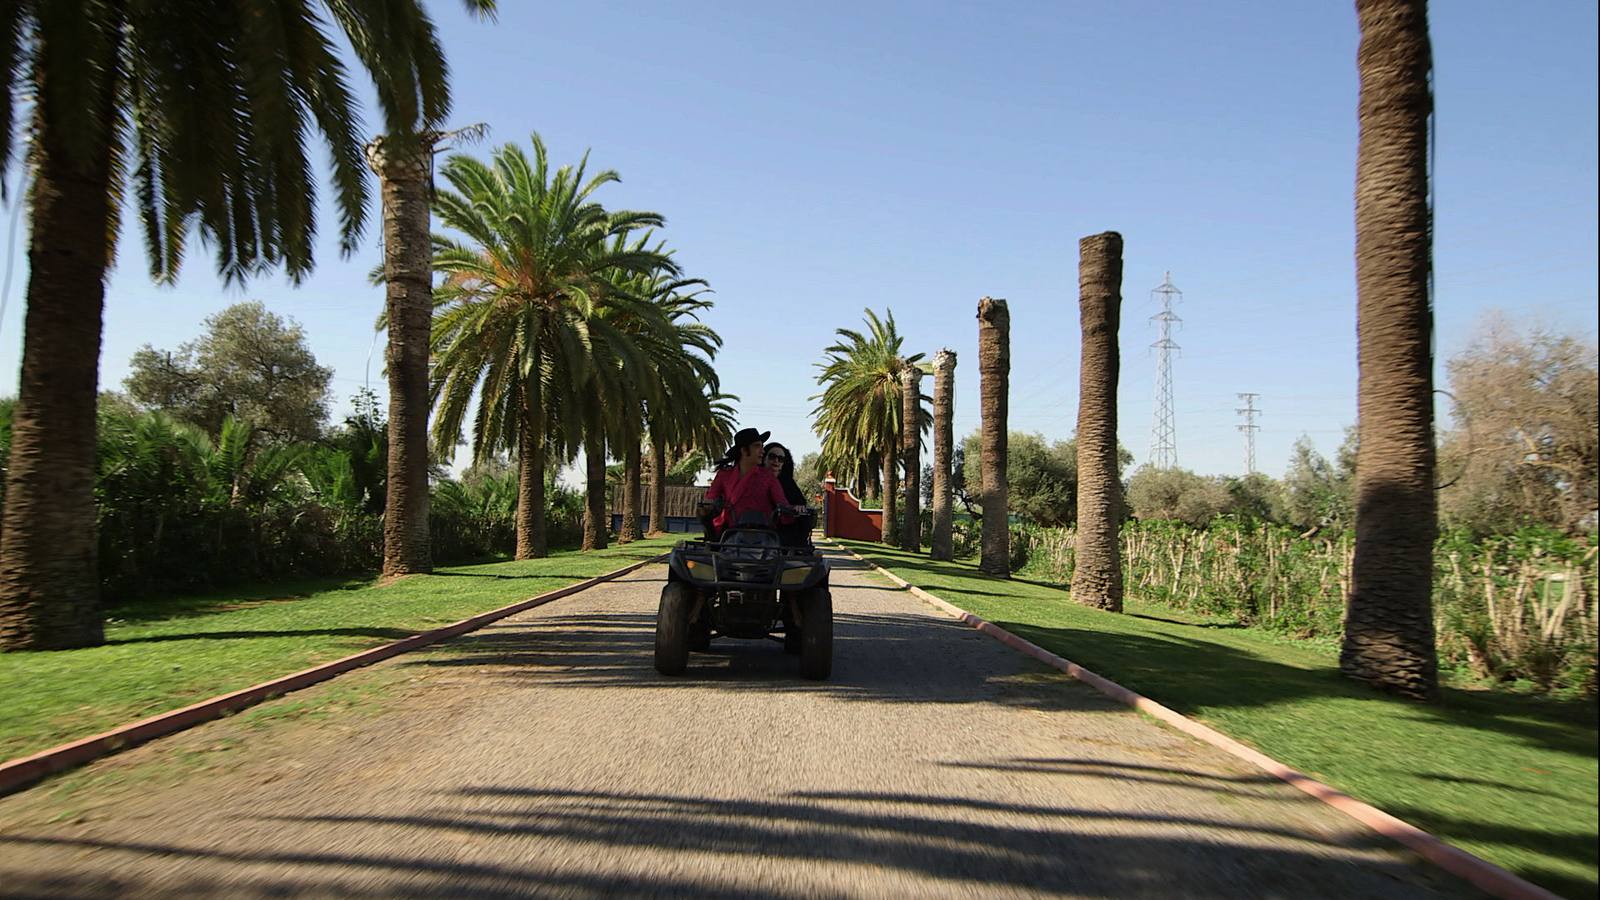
<point>179,511</point>
<point>1518,607</point>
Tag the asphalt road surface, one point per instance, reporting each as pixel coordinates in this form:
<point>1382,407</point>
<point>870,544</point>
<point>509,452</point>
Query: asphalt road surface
<point>544,756</point>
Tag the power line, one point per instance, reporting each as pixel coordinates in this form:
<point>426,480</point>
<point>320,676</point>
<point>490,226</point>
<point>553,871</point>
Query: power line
<point>1249,428</point>
<point>1164,439</point>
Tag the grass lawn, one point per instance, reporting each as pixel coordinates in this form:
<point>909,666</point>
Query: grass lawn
<point>1511,778</point>
<point>164,655</point>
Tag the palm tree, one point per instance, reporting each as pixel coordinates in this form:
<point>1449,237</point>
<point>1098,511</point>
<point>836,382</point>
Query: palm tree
<point>688,403</point>
<point>940,545</point>
<point>202,115</point>
<point>610,402</point>
<point>657,315</point>
<point>684,422</point>
<point>1388,636</point>
<point>859,412</point>
<point>153,469</point>
<point>515,316</point>
<point>1097,574</point>
<point>994,375</point>
<point>911,453</point>
<point>632,480</point>
<point>405,179</point>
<point>595,525</point>
<point>636,345</point>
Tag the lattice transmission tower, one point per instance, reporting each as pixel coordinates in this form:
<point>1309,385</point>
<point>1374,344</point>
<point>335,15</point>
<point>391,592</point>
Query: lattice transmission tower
<point>1164,439</point>
<point>1249,428</point>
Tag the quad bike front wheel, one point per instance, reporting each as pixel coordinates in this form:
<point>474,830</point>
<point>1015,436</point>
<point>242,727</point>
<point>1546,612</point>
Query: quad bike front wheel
<point>672,628</point>
<point>816,634</point>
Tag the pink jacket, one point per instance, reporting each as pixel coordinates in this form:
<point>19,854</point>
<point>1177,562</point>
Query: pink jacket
<point>758,492</point>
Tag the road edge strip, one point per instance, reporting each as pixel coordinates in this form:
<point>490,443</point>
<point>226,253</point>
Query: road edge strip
<point>1478,871</point>
<point>23,772</point>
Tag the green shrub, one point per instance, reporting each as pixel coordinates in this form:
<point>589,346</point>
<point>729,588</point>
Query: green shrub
<point>178,511</point>
<point>1518,607</point>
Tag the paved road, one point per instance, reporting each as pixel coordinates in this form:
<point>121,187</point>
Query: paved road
<point>543,755</point>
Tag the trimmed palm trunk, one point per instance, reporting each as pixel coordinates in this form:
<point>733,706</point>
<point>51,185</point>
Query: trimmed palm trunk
<point>532,542</point>
<point>595,526</point>
<point>891,492</point>
<point>867,480</point>
<point>658,488</point>
<point>1097,571</point>
<point>940,544</point>
<point>49,581</point>
<point>911,454</point>
<point>404,173</point>
<point>994,377</point>
<point>632,475</point>
<point>1388,635</point>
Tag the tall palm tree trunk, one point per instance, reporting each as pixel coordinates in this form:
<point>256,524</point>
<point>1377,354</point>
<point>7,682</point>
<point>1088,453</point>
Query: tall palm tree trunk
<point>595,526</point>
<point>940,545</point>
<point>49,584</point>
<point>911,453</point>
<point>404,173</point>
<point>632,475</point>
<point>658,487</point>
<point>994,376</point>
<point>867,480</point>
<point>891,491</point>
<point>1097,574</point>
<point>532,540</point>
<point>1388,637</point>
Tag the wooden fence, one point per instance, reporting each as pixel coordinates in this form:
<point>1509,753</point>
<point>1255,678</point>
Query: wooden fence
<point>680,509</point>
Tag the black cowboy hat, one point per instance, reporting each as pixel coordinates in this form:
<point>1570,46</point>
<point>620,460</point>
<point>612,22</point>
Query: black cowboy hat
<point>748,436</point>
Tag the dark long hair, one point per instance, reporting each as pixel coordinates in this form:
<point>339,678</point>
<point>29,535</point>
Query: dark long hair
<point>791,489</point>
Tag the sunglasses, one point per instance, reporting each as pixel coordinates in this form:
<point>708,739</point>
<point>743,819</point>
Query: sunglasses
<point>776,457</point>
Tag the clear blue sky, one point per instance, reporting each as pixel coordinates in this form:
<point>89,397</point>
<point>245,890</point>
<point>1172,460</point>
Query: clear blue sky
<point>816,159</point>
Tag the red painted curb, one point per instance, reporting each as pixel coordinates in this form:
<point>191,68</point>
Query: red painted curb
<point>19,773</point>
<point>1479,872</point>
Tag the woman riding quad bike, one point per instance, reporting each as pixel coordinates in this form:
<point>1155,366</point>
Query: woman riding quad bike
<point>780,462</point>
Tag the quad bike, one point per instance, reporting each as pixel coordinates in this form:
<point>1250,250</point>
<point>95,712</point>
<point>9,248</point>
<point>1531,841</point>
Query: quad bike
<point>747,584</point>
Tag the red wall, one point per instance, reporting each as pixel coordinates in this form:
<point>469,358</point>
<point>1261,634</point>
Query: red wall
<point>846,519</point>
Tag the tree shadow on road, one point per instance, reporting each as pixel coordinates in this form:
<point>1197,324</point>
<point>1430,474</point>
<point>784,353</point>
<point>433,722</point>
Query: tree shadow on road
<point>878,657</point>
<point>874,843</point>
<point>317,873</point>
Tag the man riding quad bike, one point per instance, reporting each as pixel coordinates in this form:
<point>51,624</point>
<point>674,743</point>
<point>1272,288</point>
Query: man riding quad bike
<point>745,583</point>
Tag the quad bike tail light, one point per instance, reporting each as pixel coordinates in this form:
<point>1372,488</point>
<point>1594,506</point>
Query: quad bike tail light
<point>796,576</point>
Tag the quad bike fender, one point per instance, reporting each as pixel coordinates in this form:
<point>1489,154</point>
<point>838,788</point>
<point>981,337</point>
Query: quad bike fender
<point>815,575</point>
